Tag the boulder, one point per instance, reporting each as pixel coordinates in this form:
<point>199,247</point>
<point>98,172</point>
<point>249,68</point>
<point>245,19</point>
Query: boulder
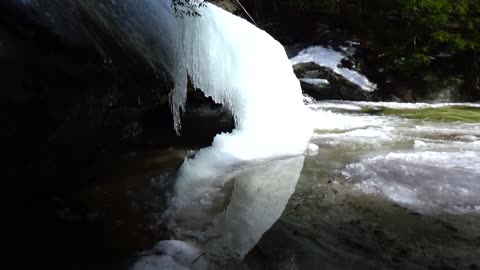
<point>338,88</point>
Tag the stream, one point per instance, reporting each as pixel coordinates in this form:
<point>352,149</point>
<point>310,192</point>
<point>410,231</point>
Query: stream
<point>380,186</point>
<point>393,186</point>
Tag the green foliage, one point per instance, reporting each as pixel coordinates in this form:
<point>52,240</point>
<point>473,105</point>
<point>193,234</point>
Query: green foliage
<point>306,6</point>
<point>443,22</point>
<point>409,33</point>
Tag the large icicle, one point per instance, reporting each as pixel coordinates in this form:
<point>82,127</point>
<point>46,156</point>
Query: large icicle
<point>247,71</point>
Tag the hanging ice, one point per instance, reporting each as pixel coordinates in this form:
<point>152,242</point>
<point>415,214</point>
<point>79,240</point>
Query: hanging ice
<point>243,68</point>
<point>246,70</point>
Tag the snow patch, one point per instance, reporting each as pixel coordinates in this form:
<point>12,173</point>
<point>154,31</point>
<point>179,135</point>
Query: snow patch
<point>315,81</point>
<point>330,58</point>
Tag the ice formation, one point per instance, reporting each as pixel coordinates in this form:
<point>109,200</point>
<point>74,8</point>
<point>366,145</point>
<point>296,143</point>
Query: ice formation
<point>259,198</point>
<point>217,234</point>
<point>246,70</point>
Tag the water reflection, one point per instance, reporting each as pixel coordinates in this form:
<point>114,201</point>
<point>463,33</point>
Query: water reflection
<point>229,225</point>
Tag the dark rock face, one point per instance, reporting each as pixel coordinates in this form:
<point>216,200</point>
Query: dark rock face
<point>228,5</point>
<point>74,100</point>
<point>71,90</point>
<point>429,86</point>
<point>338,87</point>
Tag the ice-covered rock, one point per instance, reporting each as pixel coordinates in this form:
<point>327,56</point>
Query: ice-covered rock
<point>330,58</point>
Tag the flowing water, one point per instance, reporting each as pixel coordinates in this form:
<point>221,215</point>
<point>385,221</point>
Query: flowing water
<point>382,185</point>
<point>370,168</point>
<point>392,186</point>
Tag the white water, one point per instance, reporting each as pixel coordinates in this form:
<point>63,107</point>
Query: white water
<point>429,167</point>
<point>248,71</point>
<point>426,181</point>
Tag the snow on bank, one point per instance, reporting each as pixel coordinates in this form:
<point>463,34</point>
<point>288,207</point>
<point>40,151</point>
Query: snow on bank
<point>330,58</point>
<point>315,81</point>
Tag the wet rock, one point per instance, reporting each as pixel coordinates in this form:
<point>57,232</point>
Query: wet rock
<point>338,87</point>
<point>201,121</point>
<point>441,89</point>
<point>347,63</point>
<point>228,5</point>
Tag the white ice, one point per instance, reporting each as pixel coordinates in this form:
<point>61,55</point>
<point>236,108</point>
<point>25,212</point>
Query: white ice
<point>218,232</point>
<point>246,70</point>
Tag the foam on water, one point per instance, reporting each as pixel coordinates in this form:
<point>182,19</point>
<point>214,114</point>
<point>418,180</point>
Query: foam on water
<point>459,143</point>
<point>427,181</point>
<point>430,167</point>
<point>342,123</point>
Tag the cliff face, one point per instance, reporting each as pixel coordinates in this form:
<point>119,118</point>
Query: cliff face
<point>73,89</point>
